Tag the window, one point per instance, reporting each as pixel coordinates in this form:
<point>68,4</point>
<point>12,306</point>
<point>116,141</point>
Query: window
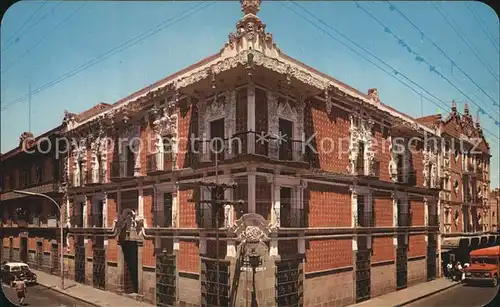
<point>25,178</point>
<point>39,173</point>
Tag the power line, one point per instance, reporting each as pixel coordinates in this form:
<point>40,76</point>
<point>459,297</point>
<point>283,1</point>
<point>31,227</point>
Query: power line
<point>453,63</point>
<point>33,24</point>
<point>12,38</point>
<point>481,24</point>
<point>419,58</point>
<point>393,72</point>
<point>43,38</point>
<point>465,40</point>
<point>165,24</point>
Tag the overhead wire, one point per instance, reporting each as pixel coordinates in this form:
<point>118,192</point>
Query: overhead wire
<point>34,24</point>
<point>481,24</point>
<point>420,58</point>
<point>129,43</point>
<point>43,38</point>
<point>393,72</point>
<point>464,39</point>
<point>453,63</point>
<point>14,35</point>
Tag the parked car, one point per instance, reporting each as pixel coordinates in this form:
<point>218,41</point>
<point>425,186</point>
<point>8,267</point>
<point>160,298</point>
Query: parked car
<point>12,270</point>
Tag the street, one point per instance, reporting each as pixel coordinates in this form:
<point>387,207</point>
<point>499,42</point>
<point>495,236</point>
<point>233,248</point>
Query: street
<point>43,297</point>
<point>469,296</point>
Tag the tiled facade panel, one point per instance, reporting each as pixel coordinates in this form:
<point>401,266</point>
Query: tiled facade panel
<point>324,255</point>
<point>418,213</point>
<point>111,250</point>
<point>88,249</point>
<point>328,130</point>
<point>416,246</point>
<point>148,205</point>
<point>383,249</point>
<point>383,210</point>
<point>189,257</point>
<point>327,206</point>
<point>32,243</point>
<point>148,257</point>
<point>187,210</point>
<point>112,209</point>
<point>15,242</point>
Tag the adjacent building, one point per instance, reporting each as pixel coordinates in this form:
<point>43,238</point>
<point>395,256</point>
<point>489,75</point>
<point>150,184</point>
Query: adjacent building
<point>330,209</point>
<point>30,224</point>
<point>467,219</point>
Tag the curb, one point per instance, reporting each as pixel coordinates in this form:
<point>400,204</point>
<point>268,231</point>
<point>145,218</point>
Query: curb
<point>55,288</point>
<point>429,294</point>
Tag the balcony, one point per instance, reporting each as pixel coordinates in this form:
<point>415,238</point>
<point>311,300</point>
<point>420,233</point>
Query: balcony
<point>76,221</point>
<point>433,220</point>
<point>407,177</point>
<point>95,177</point>
<point>249,143</point>
<point>292,218</point>
<point>122,170</point>
<point>162,219</point>
<point>96,220</point>
<point>365,219</point>
<point>404,219</point>
<point>159,162</point>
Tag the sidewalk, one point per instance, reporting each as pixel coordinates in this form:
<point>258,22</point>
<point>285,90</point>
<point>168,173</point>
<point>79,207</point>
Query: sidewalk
<point>87,294</point>
<point>409,295</point>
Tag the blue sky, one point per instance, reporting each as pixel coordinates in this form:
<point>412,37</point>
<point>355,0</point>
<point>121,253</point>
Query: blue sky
<point>61,37</point>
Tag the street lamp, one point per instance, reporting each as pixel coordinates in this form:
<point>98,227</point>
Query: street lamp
<point>60,226</point>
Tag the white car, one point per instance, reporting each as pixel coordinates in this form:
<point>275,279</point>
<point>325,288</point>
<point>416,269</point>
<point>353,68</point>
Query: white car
<point>19,270</point>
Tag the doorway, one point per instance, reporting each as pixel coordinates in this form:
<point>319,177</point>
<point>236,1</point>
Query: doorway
<point>130,267</point>
<point>99,264</point>
<point>80,260</point>
<point>23,251</point>
<point>217,145</point>
<point>401,263</point>
<point>285,139</point>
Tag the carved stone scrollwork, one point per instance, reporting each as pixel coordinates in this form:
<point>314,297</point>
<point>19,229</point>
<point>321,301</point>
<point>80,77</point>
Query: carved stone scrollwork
<point>360,131</point>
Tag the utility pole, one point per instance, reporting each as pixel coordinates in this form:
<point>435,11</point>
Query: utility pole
<point>29,109</point>
<point>217,203</point>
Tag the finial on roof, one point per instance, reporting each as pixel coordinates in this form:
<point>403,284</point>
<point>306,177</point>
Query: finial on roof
<point>478,121</point>
<point>454,106</point>
<point>373,94</point>
<point>466,109</point>
<point>250,6</point>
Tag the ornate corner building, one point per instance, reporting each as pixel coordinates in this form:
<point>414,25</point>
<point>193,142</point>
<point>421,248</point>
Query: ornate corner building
<point>331,208</point>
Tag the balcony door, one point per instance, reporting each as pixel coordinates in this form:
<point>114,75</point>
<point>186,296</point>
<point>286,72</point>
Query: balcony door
<point>360,163</point>
<point>217,133</point>
<point>285,207</point>
<point>285,141</point>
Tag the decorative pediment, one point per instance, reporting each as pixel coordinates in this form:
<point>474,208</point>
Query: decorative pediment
<point>251,228</point>
<point>26,140</point>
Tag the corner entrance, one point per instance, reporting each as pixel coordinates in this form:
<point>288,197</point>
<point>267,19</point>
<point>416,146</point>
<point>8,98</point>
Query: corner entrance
<point>363,270</point>
<point>130,267</point>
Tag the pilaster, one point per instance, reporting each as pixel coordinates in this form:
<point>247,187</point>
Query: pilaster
<point>251,192</point>
<point>251,117</point>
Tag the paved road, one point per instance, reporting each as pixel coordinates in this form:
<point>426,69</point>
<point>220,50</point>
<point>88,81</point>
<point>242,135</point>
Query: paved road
<point>466,296</point>
<point>39,296</point>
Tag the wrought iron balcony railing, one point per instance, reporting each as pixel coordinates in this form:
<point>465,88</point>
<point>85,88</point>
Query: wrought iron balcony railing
<point>249,142</point>
<point>404,219</point>
<point>96,220</point>
<point>76,221</point>
<point>433,220</point>
<point>407,176</point>
<point>122,169</point>
<point>292,218</point>
<point>159,162</point>
<point>96,176</point>
<point>162,219</point>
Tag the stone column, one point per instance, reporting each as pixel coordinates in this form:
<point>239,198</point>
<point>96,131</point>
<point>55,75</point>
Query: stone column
<point>251,192</point>
<point>354,208</point>
<point>84,217</point>
<point>251,118</point>
<point>275,220</point>
<point>175,207</point>
<point>140,206</point>
<point>394,210</point>
<point>139,268</point>
<point>426,212</point>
